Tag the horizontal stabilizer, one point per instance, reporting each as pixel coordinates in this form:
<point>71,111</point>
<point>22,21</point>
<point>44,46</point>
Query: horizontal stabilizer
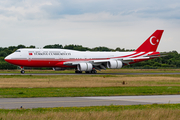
<point>157,55</point>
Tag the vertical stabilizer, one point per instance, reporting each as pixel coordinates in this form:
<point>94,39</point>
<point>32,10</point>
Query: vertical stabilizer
<point>151,44</point>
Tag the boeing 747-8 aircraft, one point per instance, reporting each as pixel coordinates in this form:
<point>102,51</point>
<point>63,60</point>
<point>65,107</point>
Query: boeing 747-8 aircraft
<point>87,61</point>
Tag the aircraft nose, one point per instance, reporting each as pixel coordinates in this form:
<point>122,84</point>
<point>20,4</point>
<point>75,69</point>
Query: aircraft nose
<point>7,58</point>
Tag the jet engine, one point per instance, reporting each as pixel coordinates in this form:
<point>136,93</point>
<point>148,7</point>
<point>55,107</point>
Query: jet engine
<point>84,67</point>
<point>114,64</point>
<point>58,68</point>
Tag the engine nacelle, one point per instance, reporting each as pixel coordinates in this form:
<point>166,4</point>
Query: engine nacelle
<point>58,68</point>
<point>84,67</point>
<point>114,64</point>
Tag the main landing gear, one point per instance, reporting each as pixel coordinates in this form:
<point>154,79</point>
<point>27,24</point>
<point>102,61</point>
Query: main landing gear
<point>22,70</point>
<point>87,72</point>
<point>91,72</point>
<point>78,71</point>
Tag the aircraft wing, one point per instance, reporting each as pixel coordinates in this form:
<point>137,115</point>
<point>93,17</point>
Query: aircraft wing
<point>104,61</point>
<point>99,62</point>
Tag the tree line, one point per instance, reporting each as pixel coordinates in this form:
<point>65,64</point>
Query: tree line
<point>172,60</point>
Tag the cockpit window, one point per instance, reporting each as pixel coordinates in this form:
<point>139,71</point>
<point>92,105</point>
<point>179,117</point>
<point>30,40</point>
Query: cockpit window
<point>17,51</point>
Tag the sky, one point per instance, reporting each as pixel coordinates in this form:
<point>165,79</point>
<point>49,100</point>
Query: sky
<point>90,23</point>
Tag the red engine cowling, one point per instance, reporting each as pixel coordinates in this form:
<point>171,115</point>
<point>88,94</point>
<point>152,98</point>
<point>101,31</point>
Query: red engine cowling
<point>84,67</point>
<point>114,64</point>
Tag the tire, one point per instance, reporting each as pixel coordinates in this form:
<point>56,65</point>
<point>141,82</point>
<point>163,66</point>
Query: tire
<point>87,72</point>
<point>93,71</point>
<point>78,71</point>
<point>22,71</point>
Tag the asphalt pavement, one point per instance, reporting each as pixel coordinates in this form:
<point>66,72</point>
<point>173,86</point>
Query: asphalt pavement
<point>16,103</point>
<point>175,73</point>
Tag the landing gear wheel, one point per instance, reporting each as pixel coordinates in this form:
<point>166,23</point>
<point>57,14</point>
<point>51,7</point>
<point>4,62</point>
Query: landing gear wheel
<point>87,72</point>
<point>93,71</point>
<point>22,71</point>
<point>78,71</point>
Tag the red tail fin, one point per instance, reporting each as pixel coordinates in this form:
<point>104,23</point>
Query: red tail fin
<point>151,44</point>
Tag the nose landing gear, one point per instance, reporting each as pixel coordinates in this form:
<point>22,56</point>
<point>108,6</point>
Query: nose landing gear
<point>22,70</point>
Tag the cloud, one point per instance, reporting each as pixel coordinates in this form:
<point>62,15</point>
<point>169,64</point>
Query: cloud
<point>23,9</point>
<point>57,9</point>
<point>91,23</point>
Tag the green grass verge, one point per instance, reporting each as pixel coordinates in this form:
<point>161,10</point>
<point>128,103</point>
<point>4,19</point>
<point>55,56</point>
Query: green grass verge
<point>77,92</point>
<point>103,71</point>
<point>93,108</point>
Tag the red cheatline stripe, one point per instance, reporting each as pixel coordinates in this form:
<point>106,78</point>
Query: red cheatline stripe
<point>139,55</point>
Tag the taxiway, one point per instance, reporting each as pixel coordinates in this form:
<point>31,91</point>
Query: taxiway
<point>175,73</point>
<point>15,103</point>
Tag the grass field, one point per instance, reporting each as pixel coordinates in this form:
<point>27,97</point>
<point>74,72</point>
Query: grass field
<point>64,81</point>
<point>92,85</point>
<point>79,92</point>
<point>135,112</point>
